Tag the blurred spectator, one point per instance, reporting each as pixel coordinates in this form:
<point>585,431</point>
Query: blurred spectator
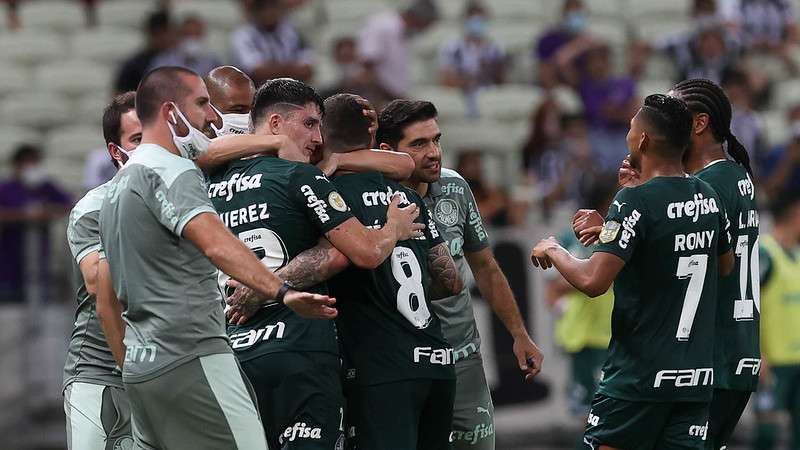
<point>569,32</point>
<point>609,101</point>
<point>98,168</point>
<point>494,205</point>
<point>764,25</point>
<point>191,51</point>
<point>557,154</point>
<point>28,202</point>
<point>473,60</point>
<point>160,37</point>
<point>352,76</point>
<point>269,46</point>
<point>706,52</point>
<point>383,44</point>
<point>745,123</point>
<point>780,168</point>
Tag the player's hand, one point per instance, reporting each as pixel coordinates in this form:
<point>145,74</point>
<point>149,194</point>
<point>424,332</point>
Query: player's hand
<point>310,306</point>
<point>329,164</point>
<point>529,357</point>
<point>627,175</point>
<point>242,304</point>
<point>587,225</point>
<point>370,114</point>
<point>539,253</point>
<point>403,219</point>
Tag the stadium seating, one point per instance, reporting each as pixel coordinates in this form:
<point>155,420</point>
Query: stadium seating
<point>74,78</point>
<point>121,13</point>
<point>11,136</point>
<point>775,128</point>
<point>40,110</point>
<point>789,94</point>
<point>73,142</point>
<point>56,15</point>
<point>13,78</point>
<point>30,47</point>
<point>104,45</point>
<point>218,14</point>
<point>349,10</point>
<point>508,102</point>
<point>638,9</point>
<point>89,108</point>
<point>449,102</point>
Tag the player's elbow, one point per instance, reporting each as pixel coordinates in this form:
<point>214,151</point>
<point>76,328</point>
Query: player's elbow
<point>369,259</point>
<point>456,286</point>
<point>215,253</point>
<point>595,288</point>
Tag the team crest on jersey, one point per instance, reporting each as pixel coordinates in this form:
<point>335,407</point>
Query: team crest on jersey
<point>123,443</point>
<point>446,212</point>
<point>337,202</point>
<point>610,230</point>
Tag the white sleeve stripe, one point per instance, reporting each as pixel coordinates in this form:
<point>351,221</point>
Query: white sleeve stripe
<point>85,252</point>
<point>191,215</point>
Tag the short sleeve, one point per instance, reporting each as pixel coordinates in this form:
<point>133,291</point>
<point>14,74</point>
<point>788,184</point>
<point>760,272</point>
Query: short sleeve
<point>83,235</point>
<point>475,236</point>
<point>176,205</point>
<point>624,226</point>
<point>313,193</point>
<point>725,239</point>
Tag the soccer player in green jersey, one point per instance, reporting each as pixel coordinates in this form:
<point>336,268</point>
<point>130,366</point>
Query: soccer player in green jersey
<point>282,207</point>
<point>163,239</point>
<point>95,402</point>
<point>411,127</point>
<point>662,245</point>
<point>737,360</point>
<point>399,367</point>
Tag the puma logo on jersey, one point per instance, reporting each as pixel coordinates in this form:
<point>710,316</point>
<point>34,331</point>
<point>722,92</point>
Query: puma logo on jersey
<point>685,377</point>
<point>698,206</point>
<point>753,365</point>
<point>319,206</point>
<point>321,178</point>
<point>700,431</point>
<point>482,410</point>
<point>693,241</point>
<point>619,205</point>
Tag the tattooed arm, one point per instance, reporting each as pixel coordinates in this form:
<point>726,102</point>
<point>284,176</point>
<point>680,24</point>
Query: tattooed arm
<point>444,275</point>
<point>305,270</point>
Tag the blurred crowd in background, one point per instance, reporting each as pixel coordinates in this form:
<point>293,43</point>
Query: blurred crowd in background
<point>535,96</point>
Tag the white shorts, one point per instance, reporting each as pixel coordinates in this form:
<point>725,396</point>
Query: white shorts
<point>98,417</point>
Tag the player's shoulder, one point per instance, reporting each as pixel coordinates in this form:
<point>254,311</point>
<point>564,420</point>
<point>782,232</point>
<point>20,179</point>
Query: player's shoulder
<point>156,160</point>
<point>451,175</point>
<point>89,203</point>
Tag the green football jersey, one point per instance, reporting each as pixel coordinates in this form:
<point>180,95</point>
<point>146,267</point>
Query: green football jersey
<point>737,359</point>
<point>388,328</point>
<point>669,231</point>
<point>279,209</point>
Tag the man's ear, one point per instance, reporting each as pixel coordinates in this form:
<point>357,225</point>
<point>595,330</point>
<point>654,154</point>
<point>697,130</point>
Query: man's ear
<point>700,123</point>
<point>644,141</point>
<point>114,152</point>
<point>169,113</point>
<point>275,123</point>
<point>385,146</point>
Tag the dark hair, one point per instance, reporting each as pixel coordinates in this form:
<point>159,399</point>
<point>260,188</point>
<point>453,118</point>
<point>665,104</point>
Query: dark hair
<point>705,96</point>
<point>165,84</point>
<point>25,152</point>
<point>346,126</point>
<point>398,115</point>
<point>783,202</point>
<point>157,21</point>
<point>670,117</point>
<point>112,114</point>
<point>286,91</point>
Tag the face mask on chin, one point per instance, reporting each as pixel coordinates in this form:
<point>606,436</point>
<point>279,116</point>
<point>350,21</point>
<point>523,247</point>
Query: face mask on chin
<point>194,143</point>
<point>232,123</point>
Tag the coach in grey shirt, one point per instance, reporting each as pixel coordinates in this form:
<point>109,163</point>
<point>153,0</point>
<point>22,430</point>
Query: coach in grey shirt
<point>161,240</point>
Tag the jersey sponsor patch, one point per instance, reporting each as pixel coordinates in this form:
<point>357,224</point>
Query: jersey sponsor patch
<point>609,232</point>
<point>337,202</point>
<point>446,212</point>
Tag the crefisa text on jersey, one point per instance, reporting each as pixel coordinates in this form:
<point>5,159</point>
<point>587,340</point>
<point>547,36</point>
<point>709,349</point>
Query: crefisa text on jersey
<point>235,184</point>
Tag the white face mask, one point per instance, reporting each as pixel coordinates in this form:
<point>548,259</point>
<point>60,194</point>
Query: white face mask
<point>126,158</point>
<point>232,123</point>
<point>194,143</point>
<point>33,176</point>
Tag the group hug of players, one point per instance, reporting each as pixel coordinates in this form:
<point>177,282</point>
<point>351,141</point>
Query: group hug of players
<point>346,321</point>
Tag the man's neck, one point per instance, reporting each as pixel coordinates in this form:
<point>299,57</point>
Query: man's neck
<point>420,186</point>
<point>655,166</point>
<point>785,237</point>
<point>158,138</point>
<point>704,154</point>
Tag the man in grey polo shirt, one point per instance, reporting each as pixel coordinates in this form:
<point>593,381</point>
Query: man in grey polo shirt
<point>95,403</point>
<point>162,239</point>
<point>410,127</point>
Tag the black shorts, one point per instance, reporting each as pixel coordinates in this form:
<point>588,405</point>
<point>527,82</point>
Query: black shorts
<point>628,425</point>
<point>724,413</point>
<point>300,399</point>
<point>409,414</point>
